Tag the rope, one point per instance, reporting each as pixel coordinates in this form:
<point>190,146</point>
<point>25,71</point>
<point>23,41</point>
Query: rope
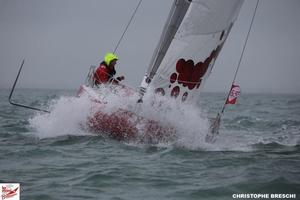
<point>242,54</point>
<point>121,38</point>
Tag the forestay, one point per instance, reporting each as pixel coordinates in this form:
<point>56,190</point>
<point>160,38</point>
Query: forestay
<point>191,41</point>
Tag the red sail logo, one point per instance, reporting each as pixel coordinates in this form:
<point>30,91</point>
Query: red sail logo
<point>189,74</point>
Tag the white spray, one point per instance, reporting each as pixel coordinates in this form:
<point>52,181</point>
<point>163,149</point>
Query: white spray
<point>69,116</point>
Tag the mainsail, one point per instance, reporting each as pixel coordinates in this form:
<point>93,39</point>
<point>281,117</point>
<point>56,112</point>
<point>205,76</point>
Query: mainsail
<point>192,38</point>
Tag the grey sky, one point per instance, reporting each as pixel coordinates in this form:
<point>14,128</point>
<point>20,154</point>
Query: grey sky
<point>60,39</point>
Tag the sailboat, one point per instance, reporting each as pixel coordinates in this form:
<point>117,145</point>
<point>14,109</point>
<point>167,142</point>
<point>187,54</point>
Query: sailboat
<point>192,38</point>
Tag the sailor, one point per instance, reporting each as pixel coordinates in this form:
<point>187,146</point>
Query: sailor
<point>106,71</point>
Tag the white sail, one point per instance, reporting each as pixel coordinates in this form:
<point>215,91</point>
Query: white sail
<point>181,63</point>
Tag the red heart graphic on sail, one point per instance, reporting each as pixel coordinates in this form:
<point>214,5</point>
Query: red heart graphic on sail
<point>190,75</point>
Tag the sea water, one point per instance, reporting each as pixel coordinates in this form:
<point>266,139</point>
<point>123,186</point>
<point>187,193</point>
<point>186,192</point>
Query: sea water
<point>55,156</point>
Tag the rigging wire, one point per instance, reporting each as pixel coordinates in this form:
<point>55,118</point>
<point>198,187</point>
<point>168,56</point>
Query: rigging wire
<point>214,129</point>
<point>242,54</point>
<point>125,30</point>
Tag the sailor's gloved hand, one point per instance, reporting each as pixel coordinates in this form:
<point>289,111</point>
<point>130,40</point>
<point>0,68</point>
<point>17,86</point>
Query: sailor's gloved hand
<point>120,78</point>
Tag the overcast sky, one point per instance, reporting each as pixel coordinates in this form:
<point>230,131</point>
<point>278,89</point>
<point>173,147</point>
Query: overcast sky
<point>60,39</point>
